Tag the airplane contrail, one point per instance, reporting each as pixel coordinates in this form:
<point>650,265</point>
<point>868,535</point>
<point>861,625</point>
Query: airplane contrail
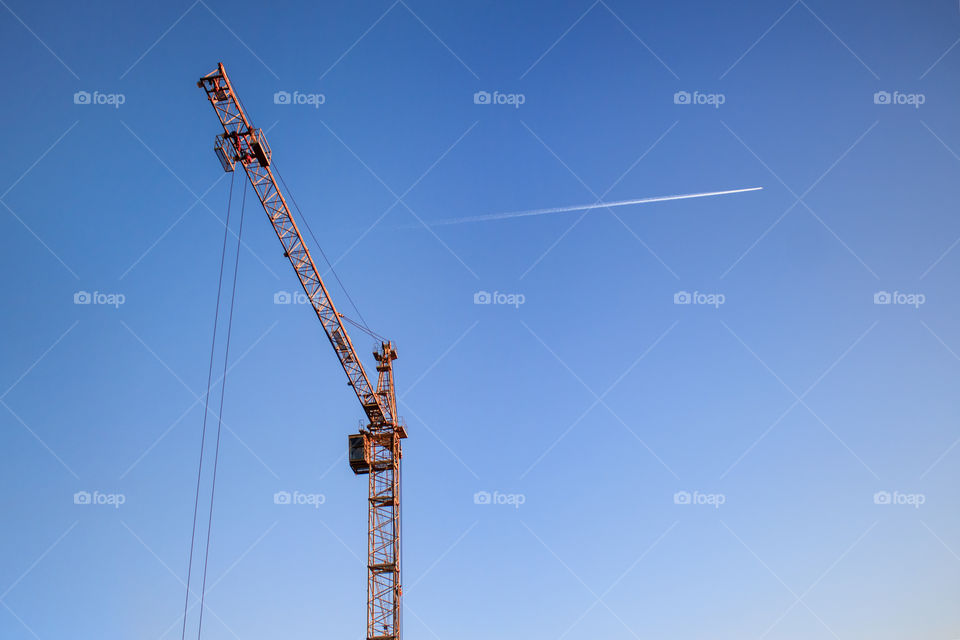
<point>586,207</point>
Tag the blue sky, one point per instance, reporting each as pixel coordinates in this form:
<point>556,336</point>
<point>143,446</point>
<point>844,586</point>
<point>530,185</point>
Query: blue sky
<point>775,459</point>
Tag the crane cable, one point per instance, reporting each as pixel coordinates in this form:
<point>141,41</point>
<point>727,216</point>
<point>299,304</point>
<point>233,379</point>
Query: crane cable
<point>206,407</point>
<point>364,326</point>
<point>223,389</point>
<point>366,330</point>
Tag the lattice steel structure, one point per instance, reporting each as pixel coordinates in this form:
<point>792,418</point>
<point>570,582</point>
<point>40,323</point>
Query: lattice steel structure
<point>376,450</point>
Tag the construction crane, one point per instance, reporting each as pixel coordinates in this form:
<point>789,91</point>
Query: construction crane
<point>375,450</point>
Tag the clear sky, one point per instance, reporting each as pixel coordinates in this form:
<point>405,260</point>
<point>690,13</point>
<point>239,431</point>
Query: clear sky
<point>776,458</point>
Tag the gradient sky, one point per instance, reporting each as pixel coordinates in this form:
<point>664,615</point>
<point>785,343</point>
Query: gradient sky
<point>597,402</point>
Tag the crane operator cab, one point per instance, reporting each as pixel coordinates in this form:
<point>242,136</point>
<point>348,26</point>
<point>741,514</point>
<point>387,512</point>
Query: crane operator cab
<point>357,453</point>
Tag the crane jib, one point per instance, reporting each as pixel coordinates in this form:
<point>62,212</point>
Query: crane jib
<point>241,142</point>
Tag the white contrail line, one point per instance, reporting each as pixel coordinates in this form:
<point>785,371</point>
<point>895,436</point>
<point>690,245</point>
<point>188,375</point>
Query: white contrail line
<point>585,207</point>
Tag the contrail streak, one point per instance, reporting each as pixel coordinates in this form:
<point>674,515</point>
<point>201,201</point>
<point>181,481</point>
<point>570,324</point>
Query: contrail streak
<point>586,207</point>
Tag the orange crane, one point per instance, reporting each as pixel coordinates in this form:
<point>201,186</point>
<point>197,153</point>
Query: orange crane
<point>375,450</point>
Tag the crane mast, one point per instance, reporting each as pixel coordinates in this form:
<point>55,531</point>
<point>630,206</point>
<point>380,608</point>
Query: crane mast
<point>375,450</point>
